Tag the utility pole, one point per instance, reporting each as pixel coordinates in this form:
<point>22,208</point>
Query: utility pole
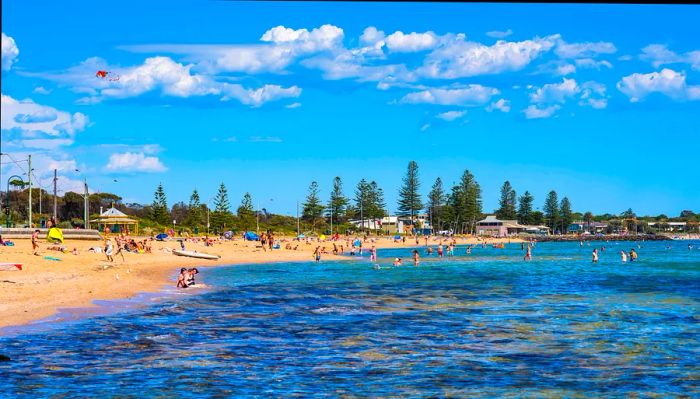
<point>257,219</point>
<point>86,222</point>
<point>331,219</point>
<point>29,175</point>
<point>298,232</point>
<point>55,201</point>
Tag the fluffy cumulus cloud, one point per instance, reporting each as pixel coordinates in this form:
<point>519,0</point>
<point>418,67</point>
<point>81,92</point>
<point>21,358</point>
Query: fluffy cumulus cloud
<point>659,54</point>
<point>583,50</point>
<point>400,42</point>
<point>134,162</point>
<point>165,76</point>
<point>502,105</point>
<point>499,34</point>
<point>459,58</point>
<point>667,82</point>
<point>593,95</point>
<point>9,52</point>
<point>535,112</point>
<point>592,64</point>
<point>555,92</point>
<point>471,95</point>
<point>451,115</point>
<point>39,126</point>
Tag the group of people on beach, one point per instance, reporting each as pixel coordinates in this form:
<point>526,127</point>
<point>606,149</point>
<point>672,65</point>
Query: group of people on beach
<point>186,277</point>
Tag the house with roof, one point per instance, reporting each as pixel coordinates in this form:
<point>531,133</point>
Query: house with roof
<point>116,221</point>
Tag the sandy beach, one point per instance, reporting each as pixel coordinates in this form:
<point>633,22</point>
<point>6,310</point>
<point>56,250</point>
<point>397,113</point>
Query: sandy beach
<point>44,286</point>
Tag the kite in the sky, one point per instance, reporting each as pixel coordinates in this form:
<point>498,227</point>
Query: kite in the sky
<point>111,76</point>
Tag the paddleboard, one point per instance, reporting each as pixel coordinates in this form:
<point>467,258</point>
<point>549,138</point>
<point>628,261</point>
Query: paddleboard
<point>10,266</point>
<point>195,254</point>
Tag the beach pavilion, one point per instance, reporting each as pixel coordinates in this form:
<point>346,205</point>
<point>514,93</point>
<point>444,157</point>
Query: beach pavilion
<point>116,221</point>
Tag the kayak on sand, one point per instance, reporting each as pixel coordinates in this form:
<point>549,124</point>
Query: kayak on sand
<point>195,254</point>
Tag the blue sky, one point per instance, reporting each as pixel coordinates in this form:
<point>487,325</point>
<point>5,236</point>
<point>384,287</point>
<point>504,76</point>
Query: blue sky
<point>598,102</point>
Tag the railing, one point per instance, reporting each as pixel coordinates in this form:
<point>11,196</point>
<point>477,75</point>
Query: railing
<point>68,234</point>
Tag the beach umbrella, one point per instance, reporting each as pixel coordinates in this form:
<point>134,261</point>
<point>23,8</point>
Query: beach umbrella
<point>161,237</point>
<point>357,243</point>
<point>397,237</point>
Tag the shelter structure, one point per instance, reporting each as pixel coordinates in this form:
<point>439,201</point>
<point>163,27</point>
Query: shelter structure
<point>116,221</point>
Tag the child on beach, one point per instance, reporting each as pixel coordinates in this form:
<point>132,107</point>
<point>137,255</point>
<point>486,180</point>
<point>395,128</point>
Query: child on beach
<point>35,242</point>
<point>182,278</point>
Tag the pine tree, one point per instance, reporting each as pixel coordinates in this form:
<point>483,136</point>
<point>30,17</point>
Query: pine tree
<point>409,198</point>
<point>474,204</point>
<point>222,216</point>
<point>246,212</point>
<point>159,209</point>
<point>551,210</point>
<point>525,209</point>
<point>361,201</point>
<point>313,209</point>
<point>436,201</point>
<point>566,214</point>
<point>507,203</point>
<point>376,207</point>
<point>194,210</point>
<point>338,202</point>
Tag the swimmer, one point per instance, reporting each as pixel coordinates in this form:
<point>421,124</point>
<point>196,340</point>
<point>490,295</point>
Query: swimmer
<point>624,256</point>
<point>528,255</point>
<point>595,255</point>
<point>416,257</point>
<point>633,255</point>
<point>190,279</point>
<point>440,250</point>
<point>182,278</point>
<point>373,254</point>
<point>397,262</point>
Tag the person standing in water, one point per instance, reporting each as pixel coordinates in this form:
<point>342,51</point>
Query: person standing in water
<point>416,257</point>
<point>624,256</point>
<point>528,254</point>
<point>373,254</point>
<point>633,255</point>
<point>595,255</point>
<point>440,251</point>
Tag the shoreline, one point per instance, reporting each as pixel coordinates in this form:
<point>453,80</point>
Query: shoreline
<point>45,287</point>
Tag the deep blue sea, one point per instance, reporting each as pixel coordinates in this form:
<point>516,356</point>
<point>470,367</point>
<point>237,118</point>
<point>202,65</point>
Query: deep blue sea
<point>484,325</point>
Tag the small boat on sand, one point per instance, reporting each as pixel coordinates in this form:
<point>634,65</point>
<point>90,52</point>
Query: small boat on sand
<point>195,254</point>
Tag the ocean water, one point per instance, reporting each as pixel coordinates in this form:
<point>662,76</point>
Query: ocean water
<point>485,325</point>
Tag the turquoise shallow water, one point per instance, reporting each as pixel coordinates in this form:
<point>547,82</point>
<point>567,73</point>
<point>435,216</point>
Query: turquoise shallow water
<point>485,325</point>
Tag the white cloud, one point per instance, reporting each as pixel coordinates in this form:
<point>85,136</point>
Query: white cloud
<point>593,95</point>
<point>557,68</point>
<point>134,162</point>
<point>425,127</point>
<point>499,34</point>
<point>257,97</point>
<point>293,105</point>
<point>400,42</point>
<point>471,95</point>
<point>502,105</point>
<point>41,90</point>
<point>9,52</point>
<point>592,64</point>
<point>667,82</point>
<point>265,139</point>
<point>659,54</point>
<point>625,57</point>
<point>459,58</point>
<point>533,112</point>
<point>371,36</point>
<point>162,74</point>
<point>451,115</point>
<point>35,121</point>
<point>583,50</point>
<point>555,92</point>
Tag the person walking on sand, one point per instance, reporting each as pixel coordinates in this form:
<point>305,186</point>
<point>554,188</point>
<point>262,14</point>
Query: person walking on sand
<point>595,255</point>
<point>35,242</point>
<point>624,256</point>
<point>317,254</point>
<point>109,249</point>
